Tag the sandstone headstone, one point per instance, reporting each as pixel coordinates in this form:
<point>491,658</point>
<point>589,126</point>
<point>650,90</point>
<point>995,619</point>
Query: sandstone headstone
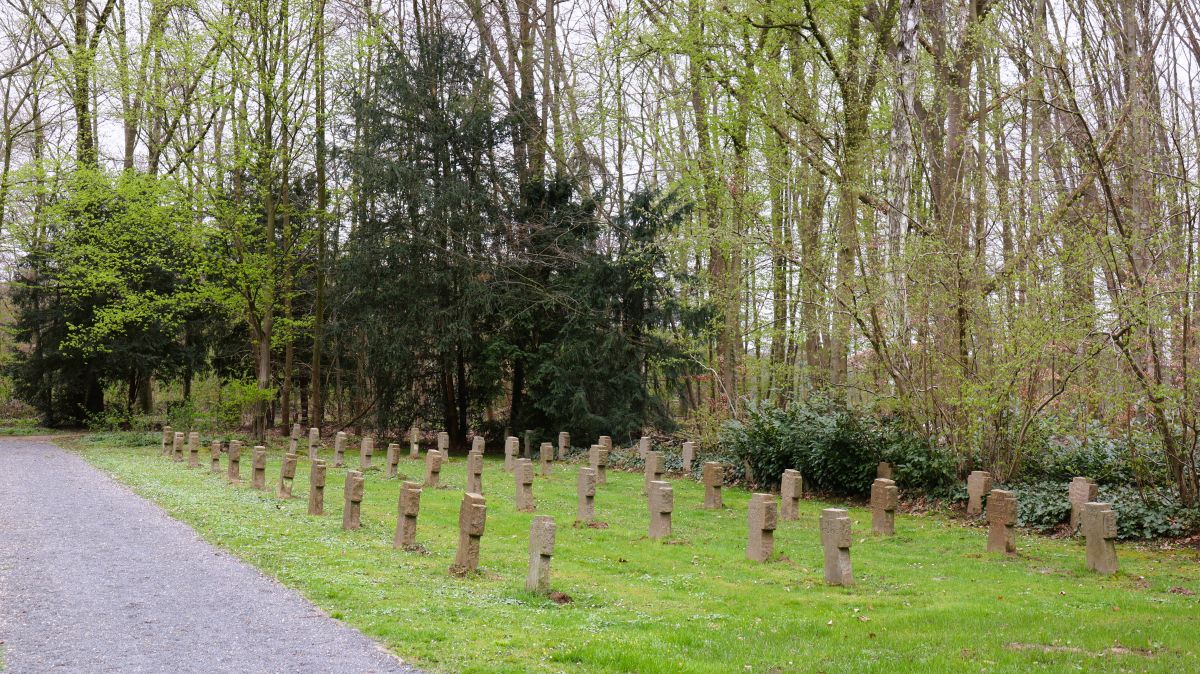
<point>791,487</point>
<point>605,442</point>
<point>511,446</point>
<point>406,521</point>
<point>586,486</point>
<point>193,450</point>
<point>393,459</point>
<point>353,494</point>
<point>541,549</point>
<point>214,457</point>
<point>527,447</point>
<point>366,449</point>
<point>1080,491</point>
<point>884,470</point>
<point>258,476</point>
<point>295,431</point>
<point>234,472</point>
<point>177,446</point>
<point>652,471</point>
<point>414,442</point>
<point>478,444</point>
<point>472,516</point>
<point>979,482</point>
<point>885,498</point>
<point>523,476</point>
<point>643,446</point>
<point>662,502</point>
<point>564,443</point>
<point>689,456</point>
<point>714,478</point>
<point>1002,521</point>
<point>475,472</point>
<point>598,460</point>
<point>1099,524</point>
<point>167,436</point>
<point>546,456</point>
<point>314,442</point>
<point>294,439</point>
<point>762,518</point>
<point>339,449</point>
<point>835,538</point>
<point>443,443</point>
<point>433,467</point>
<point>316,487</point>
<point>287,473</point>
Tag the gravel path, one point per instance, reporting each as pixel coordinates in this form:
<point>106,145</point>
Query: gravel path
<point>93,578</point>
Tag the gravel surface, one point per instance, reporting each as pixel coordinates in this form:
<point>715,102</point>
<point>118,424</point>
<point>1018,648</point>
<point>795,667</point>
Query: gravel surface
<point>93,578</point>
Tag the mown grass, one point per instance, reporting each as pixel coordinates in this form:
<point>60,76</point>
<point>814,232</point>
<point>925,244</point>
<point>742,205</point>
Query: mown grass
<point>928,599</point>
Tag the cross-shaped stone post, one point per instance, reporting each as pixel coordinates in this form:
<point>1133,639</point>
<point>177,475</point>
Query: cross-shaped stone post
<point>167,436</point>
<point>406,521</point>
<point>689,455</point>
<point>541,549</point>
<point>511,447</point>
<point>979,482</point>
<point>258,476</point>
<point>475,472</point>
<point>1099,523</point>
<point>643,446</point>
<point>546,456</point>
<point>353,495</point>
<point>414,442</point>
<point>472,516</point>
<point>1002,520</point>
<point>714,478</point>
<point>234,471</point>
<point>885,497</point>
<point>586,488</point>
<point>443,443</point>
<point>605,442</point>
<point>662,502</point>
<point>652,471</point>
<point>835,538</point>
<point>564,443</point>
<point>177,446</point>
<point>478,444</point>
<point>523,476</point>
<point>314,442</point>
<point>433,467</point>
<point>393,459</point>
<point>884,470</point>
<point>193,450</point>
<point>366,449</point>
<point>339,449</point>
<point>316,487</point>
<point>1080,491</point>
<point>287,473</point>
<point>214,457</point>
<point>763,514</point>
<point>598,460</point>
<point>527,446</point>
<point>790,489</point>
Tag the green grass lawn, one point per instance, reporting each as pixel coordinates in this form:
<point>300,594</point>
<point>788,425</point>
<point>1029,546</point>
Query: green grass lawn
<point>926,600</point>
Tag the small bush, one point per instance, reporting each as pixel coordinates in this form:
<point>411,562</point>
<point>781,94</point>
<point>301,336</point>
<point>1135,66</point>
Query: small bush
<point>1155,513</point>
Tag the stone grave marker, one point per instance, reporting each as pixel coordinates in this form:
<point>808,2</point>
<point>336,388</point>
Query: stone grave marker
<point>443,443</point>
<point>353,494</point>
<point>523,476</point>
<point>790,489</point>
<point>510,452</point>
<point>366,449</point>
<point>605,442</point>
<point>177,446</point>
<point>214,457</point>
<point>884,470</point>
<point>661,502</point>
<point>167,436</point>
<point>541,549</point>
<point>979,482</point>
<point>258,476</point>
<point>652,471</point>
<point>1099,524</point>
<point>643,446</point>
<point>585,485</point>
<point>478,444</point>
<point>1002,521</point>
<point>393,459</point>
<point>835,538</point>
<point>193,450</point>
<point>414,442</point>
<point>316,487</point>
<point>527,447</point>
<point>475,472</point>
<point>339,449</point>
<point>433,467</point>
<point>406,520</point>
<point>598,460</point>
<point>546,456</point>
<point>314,442</point>
<point>689,455</point>
<point>714,478</point>
<point>1080,491</point>
<point>885,498</point>
<point>762,518</point>
<point>294,439</point>
<point>234,471</point>
<point>287,473</point>
<point>564,443</point>
<point>472,516</point>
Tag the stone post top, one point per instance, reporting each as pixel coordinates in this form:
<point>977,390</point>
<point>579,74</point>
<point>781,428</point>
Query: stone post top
<point>472,514</point>
<point>1002,506</point>
<point>979,474</point>
<point>354,485</point>
<point>662,497</point>
<point>541,535</point>
<point>523,468</point>
<point>835,524</point>
<point>341,434</point>
<point>884,482</point>
<point>763,512</point>
<point>791,472</point>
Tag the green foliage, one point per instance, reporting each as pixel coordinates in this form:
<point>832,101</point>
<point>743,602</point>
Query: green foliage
<point>836,448</point>
<point>1097,454</point>
<point>1154,513</point>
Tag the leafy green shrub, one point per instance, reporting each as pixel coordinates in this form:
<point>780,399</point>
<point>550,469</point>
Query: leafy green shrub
<point>836,448</point>
<point>1095,454</point>
<point>1155,513</point>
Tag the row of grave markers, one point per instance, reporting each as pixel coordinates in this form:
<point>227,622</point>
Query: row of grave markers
<point>1098,520</point>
